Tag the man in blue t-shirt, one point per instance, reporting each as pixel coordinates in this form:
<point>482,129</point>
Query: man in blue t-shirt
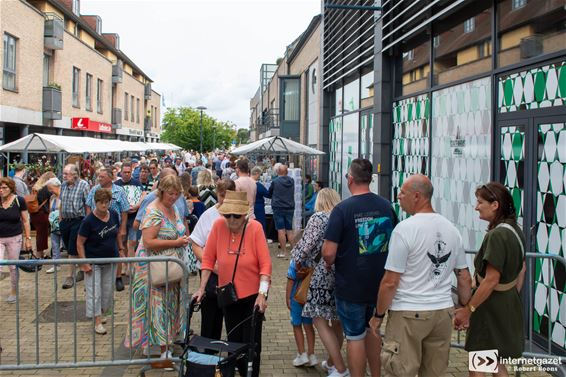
<point>356,241</point>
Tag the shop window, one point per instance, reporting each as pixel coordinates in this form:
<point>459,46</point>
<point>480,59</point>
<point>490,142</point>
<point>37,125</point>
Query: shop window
<point>466,49</point>
<point>528,29</point>
<point>338,101</point>
<point>416,68</point>
<point>352,96</point>
<point>367,85</point>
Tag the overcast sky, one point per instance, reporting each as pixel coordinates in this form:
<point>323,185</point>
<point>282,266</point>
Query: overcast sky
<point>206,52</point>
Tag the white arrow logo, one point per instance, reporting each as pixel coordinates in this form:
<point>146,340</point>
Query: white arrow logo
<point>80,123</point>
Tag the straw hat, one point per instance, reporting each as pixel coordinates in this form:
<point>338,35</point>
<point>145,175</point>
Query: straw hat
<point>235,202</point>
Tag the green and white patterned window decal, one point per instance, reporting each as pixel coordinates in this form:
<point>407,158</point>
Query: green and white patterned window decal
<point>550,279</point>
<point>350,142</point>
<point>366,137</point>
<point>461,154</point>
<point>411,130</point>
<point>335,155</point>
<point>512,165</point>
<point>534,89</point>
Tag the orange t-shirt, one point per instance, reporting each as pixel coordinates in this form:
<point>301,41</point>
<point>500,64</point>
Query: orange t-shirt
<point>254,258</point>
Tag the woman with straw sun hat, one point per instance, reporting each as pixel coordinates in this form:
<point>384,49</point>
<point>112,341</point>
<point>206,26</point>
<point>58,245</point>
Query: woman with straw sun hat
<point>238,245</point>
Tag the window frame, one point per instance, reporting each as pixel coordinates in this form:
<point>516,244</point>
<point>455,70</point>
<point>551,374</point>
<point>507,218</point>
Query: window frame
<point>137,110</point>
<point>76,87</point>
<point>7,68</point>
<point>518,4</point>
<point>132,108</point>
<point>99,84</point>
<point>126,99</point>
<point>470,25</point>
<point>88,92</point>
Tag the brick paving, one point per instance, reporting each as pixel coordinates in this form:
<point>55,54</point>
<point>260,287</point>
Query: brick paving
<point>278,343</point>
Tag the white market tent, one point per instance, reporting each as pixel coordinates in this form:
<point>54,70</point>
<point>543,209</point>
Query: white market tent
<point>276,145</point>
<point>43,143</point>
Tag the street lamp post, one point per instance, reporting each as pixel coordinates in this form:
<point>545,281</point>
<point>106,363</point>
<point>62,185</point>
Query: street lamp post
<point>214,137</point>
<point>201,108</point>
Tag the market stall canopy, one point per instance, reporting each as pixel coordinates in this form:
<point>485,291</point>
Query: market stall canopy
<point>44,143</point>
<point>276,145</point>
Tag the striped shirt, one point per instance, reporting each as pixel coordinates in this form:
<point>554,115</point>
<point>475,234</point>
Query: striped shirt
<point>73,199</point>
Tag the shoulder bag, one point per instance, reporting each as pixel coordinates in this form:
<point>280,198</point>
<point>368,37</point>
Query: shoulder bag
<point>303,288</point>
<point>226,295</point>
<point>32,202</point>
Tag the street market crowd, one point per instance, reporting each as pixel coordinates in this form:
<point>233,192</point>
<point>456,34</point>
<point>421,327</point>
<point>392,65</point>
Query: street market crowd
<point>352,265</point>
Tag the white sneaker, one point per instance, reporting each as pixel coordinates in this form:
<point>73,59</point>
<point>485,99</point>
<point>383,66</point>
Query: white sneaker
<point>167,355</point>
<point>335,373</point>
<point>11,299</point>
<point>301,359</point>
<point>313,361</point>
<point>328,368</point>
<point>52,269</point>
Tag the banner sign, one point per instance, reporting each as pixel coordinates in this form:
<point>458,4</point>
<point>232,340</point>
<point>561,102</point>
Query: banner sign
<point>85,124</point>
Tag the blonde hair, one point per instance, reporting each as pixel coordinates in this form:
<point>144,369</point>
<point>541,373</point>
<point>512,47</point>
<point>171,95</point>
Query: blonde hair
<point>42,181</point>
<point>326,200</point>
<point>170,182</point>
<point>204,178</point>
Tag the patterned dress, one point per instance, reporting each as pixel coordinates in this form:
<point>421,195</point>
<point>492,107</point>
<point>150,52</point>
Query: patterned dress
<point>320,298</point>
<point>157,316</point>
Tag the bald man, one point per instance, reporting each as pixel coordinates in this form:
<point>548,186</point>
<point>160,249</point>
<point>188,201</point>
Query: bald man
<point>424,251</point>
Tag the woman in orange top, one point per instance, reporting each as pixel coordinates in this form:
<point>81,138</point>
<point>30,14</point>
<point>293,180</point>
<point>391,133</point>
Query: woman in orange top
<point>253,271</point>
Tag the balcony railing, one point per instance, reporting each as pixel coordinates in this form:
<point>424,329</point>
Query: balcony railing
<point>269,120</point>
<point>52,103</point>
<point>53,32</point>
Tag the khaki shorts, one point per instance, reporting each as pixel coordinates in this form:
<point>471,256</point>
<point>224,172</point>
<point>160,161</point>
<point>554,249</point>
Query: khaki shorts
<point>417,342</point>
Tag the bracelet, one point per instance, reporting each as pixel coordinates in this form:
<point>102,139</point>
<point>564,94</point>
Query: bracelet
<point>378,316</point>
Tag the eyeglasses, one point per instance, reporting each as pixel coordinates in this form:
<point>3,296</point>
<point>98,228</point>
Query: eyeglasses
<point>227,216</point>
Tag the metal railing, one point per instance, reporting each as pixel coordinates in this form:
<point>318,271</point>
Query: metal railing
<point>530,299</point>
<point>63,344</point>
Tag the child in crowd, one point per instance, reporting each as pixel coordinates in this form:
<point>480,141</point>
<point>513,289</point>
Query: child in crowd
<point>299,322</point>
<point>198,206</point>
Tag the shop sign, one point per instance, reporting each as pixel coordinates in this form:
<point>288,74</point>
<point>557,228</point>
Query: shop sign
<point>85,124</point>
<point>130,132</point>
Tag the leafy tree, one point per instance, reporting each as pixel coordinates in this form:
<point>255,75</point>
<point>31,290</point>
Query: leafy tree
<point>182,127</point>
<point>243,136</point>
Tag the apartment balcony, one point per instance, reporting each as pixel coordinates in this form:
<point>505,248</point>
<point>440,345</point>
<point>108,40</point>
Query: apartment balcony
<point>268,124</point>
<point>147,124</point>
<point>116,118</point>
<point>53,31</point>
<point>52,103</point>
<point>147,91</point>
<point>117,72</point>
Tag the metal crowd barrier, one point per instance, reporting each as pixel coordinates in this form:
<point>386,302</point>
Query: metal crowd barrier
<point>63,336</point>
<point>529,285</point>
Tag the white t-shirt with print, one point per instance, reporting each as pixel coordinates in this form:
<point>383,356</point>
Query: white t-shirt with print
<point>204,226</point>
<point>425,249</point>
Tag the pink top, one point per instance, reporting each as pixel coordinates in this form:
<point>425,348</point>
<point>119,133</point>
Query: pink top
<point>254,260</point>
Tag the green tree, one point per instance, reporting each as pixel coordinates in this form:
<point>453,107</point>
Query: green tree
<point>182,128</point>
<point>243,136</point>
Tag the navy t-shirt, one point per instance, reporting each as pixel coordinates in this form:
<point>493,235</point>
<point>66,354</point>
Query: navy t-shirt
<point>100,236</point>
<point>361,226</point>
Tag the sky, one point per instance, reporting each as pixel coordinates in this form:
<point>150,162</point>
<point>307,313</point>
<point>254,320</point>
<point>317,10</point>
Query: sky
<point>208,52</point>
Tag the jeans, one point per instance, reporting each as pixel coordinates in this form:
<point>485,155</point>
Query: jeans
<point>99,286</point>
<point>56,242</point>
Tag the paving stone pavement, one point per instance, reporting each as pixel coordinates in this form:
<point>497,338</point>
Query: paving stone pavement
<point>278,342</point>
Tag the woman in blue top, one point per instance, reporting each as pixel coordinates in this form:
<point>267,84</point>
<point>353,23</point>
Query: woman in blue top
<point>98,238</point>
<point>261,192</point>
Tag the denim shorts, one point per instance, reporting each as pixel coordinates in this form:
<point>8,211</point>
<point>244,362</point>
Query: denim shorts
<point>283,219</point>
<point>355,318</point>
<point>297,318</point>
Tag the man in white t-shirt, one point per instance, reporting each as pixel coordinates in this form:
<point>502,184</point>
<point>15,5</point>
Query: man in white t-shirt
<point>424,250</point>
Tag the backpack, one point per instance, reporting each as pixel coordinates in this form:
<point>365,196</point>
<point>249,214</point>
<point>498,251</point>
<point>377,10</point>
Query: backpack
<point>32,203</point>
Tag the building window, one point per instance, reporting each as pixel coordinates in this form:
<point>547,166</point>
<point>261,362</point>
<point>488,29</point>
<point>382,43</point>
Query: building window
<point>9,77</point>
<point>76,80</point>
<point>132,108</point>
<point>88,92</point>
<point>516,4</point>
<point>436,41</point>
<point>137,110</point>
<point>76,7</point>
<point>77,31</point>
<point>45,70</point>
<point>469,25</point>
<point>99,96</point>
<point>126,98</point>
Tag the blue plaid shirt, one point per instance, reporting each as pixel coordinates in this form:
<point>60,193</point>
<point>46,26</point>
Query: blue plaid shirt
<point>73,199</point>
<point>119,201</point>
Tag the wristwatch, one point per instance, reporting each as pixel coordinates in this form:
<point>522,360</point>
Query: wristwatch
<point>263,293</point>
<point>28,238</point>
<point>471,307</point>
<point>379,316</point>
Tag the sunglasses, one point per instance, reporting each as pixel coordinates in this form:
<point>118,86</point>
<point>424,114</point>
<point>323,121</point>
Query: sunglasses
<point>227,216</point>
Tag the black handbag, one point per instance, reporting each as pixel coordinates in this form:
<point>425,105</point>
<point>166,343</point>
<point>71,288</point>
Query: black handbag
<point>226,295</point>
<point>30,268</point>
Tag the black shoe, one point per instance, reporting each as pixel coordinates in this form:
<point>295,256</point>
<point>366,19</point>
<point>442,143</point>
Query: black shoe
<point>80,276</point>
<point>119,285</point>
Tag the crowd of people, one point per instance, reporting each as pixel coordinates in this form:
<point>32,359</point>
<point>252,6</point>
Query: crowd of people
<point>352,264</point>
